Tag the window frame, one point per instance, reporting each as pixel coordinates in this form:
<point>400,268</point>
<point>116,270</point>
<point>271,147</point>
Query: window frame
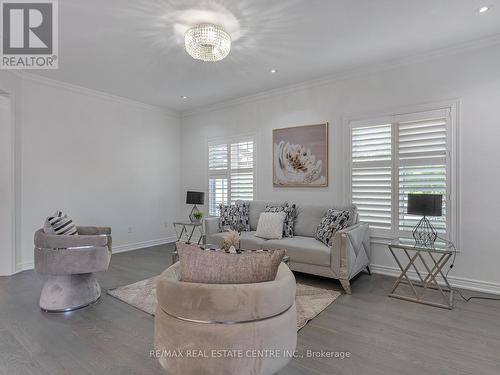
<point>451,108</point>
<point>226,173</point>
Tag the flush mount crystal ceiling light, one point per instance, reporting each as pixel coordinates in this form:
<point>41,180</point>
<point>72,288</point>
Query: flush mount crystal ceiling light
<point>207,42</point>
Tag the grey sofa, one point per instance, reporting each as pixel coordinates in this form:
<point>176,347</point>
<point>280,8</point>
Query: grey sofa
<point>215,318</point>
<point>348,255</point>
<point>68,264</point>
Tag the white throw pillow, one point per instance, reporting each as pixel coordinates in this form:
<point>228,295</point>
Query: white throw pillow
<point>270,225</point>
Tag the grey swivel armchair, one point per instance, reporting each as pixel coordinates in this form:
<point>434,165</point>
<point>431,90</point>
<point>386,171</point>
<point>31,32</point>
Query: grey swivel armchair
<point>213,319</point>
<point>68,264</point>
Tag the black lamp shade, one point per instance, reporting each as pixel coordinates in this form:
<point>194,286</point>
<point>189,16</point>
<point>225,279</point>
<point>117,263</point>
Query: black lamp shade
<point>425,204</point>
<point>195,197</point>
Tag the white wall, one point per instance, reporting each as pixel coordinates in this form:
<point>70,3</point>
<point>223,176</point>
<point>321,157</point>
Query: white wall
<point>471,76</point>
<point>6,183</point>
<point>102,159</point>
<point>110,161</point>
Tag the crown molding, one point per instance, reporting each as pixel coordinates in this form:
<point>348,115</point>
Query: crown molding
<point>348,74</point>
<point>95,93</point>
<point>317,82</point>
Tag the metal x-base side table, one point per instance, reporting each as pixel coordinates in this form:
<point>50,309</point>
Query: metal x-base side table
<point>433,261</point>
<point>188,229</point>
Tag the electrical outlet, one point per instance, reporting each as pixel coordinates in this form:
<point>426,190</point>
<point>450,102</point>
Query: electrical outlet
<point>129,230</point>
<point>165,224</point>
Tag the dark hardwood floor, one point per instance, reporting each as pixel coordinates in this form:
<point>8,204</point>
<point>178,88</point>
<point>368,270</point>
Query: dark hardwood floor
<point>383,335</point>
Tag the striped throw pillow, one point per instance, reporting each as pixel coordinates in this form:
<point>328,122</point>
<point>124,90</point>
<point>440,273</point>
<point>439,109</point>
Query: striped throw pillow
<point>60,223</point>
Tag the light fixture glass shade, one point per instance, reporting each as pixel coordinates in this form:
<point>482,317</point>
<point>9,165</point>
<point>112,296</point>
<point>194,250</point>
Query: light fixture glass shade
<point>207,42</point>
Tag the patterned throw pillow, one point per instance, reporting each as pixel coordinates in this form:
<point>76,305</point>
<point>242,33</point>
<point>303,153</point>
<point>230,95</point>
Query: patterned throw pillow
<point>333,221</point>
<point>225,215</point>
<point>234,217</point>
<point>60,223</point>
<point>290,212</point>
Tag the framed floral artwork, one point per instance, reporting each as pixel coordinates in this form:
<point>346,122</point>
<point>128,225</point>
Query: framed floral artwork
<point>300,156</point>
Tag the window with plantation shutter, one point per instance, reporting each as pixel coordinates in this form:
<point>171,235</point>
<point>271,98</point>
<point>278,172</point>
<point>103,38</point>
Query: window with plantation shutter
<point>217,193</point>
<point>397,156</point>
<point>230,173</point>
<point>241,171</point>
<point>422,156</point>
<point>372,174</point>
<point>217,157</point>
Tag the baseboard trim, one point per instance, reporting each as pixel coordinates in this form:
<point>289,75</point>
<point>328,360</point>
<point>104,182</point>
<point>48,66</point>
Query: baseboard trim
<point>455,281</point>
<point>25,266</point>
<point>142,245</point>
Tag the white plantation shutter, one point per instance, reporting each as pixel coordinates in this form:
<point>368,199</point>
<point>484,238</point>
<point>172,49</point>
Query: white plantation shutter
<point>242,155</point>
<point>218,163</point>
<point>230,171</point>
<point>422,157</point>
<point>217,157</point>
<point>241,171</point>
<point>217,194</point>
<point>408,154</point>
<point>241,186</point>
<point>372,174</point>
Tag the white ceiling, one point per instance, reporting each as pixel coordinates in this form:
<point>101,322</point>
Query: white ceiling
<point>135,48</point>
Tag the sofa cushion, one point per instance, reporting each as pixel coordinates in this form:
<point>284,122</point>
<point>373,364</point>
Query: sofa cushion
<point>308,219</point>
<point>302,250</point>
<point>248,240</point>
<point>219,267</point>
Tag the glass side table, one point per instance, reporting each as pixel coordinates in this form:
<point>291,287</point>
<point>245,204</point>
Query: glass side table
<point>428,264</point>
<point>185,231</point>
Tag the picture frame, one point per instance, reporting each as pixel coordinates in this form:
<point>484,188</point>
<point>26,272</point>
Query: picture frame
<point>300,156</point>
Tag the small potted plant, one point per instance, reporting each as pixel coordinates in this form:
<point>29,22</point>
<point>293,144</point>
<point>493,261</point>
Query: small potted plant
<point>198,215</point>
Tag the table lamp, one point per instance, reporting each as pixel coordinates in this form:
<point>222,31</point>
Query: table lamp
<point>426,205</point>
<point>194,197</point>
